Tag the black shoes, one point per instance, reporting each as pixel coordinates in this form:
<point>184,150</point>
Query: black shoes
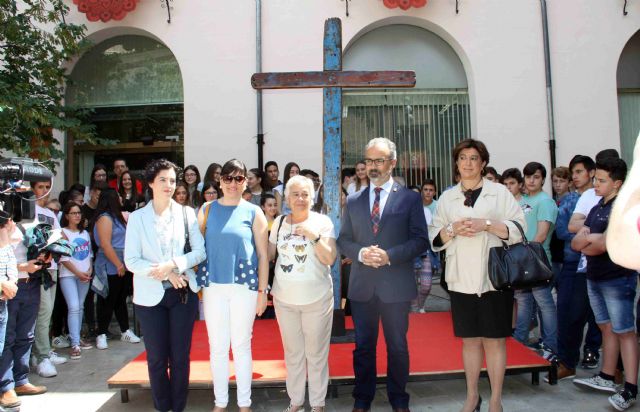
<point>590,359</point>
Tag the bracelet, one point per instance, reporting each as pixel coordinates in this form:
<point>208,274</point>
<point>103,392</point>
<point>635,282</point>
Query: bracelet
<point>315,241</point>
<point>450,232</point>
<point>265,291</point>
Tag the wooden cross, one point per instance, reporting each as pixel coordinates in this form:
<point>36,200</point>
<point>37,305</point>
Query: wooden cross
<point>332,79</point>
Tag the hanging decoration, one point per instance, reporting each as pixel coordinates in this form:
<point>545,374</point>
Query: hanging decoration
<point>347,7</point>
<point>167,4</point>
<point>105,10</point>
<point>404,4</point>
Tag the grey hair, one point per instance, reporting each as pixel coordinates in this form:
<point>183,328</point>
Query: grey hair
<point>302,181</point>
<point>384,141</point>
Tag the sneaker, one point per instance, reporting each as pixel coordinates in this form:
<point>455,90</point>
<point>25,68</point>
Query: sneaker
<point>129,336</point>
<point>46,368</point>
<point>294,408</point>
<point>622,400</point>
<point>590,359</point>
<point>61,342</point>
<point>317,409</point>
<point>57,359</point>
<point>101,342</point>
<point>84,345</point>
<point>76,353</point>
<point>598,383</point>
<point>563,373</point>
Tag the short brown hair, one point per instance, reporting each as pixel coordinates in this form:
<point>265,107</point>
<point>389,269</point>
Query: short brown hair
<point>470,144</point>
<point>562,172</point>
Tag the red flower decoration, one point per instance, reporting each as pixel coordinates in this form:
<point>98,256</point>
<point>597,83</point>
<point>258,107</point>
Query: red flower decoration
<point>105,10</point>
<point>404,4</point>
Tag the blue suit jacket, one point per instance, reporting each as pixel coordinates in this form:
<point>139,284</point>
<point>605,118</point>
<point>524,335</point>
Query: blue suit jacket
<point>402,233</point>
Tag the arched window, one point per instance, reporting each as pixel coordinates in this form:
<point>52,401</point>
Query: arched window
<point>628,79</point>
<point>425,122</point>
<point>133,87</point>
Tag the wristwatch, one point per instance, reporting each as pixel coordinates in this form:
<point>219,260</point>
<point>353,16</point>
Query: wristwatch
<point>265,291</point>
<point>314,241</point>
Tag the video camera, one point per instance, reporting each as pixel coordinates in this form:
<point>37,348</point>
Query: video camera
<point>20,204</point>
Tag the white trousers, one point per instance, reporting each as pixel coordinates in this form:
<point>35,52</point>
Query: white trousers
<point>229,311</point>
<point>306,334</point>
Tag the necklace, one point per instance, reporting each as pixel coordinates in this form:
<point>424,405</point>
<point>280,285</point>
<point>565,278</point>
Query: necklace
<point>468,193</point>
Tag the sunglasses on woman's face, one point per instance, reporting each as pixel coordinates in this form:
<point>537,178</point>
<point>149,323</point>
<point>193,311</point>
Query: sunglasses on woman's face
<point>228,179</point>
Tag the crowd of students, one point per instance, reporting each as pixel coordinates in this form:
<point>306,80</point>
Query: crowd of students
<point>589,290</point>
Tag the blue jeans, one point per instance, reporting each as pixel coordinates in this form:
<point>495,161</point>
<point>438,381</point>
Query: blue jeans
<point>74,292</point>
<point>547,307</point>
<point>21,323</point>
<point>573,313</point>
<point>614,301</point>
<point>4,314</point>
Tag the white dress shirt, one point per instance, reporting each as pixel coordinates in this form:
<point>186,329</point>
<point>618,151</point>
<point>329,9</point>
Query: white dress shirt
<point>384,194</point>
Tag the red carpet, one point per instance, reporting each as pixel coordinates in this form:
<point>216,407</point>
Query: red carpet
<point>432,347</point>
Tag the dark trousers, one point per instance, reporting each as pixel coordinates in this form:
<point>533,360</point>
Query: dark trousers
<point>59,315</point>
<point>21,323</point>
<point>90,310</point>
<point>395,323</point>
<point>574,311</point>
<point>115,302</point>
<point>167,329</point>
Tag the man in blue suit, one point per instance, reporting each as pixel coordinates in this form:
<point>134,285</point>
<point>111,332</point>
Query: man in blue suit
<point>383,230</point>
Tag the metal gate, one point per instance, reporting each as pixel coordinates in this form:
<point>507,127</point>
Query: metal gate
<point>424,124</point>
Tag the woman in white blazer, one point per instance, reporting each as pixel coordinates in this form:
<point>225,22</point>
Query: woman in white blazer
<point>471,217</point>
<point>164,286</point>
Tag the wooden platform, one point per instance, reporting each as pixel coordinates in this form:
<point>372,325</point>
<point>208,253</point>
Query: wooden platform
<point>434,352</point>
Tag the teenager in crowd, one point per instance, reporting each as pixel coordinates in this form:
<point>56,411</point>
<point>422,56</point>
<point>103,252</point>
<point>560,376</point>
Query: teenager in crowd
<point>271,176</point>
<point>192,179</point>
<point>612,291</point>
<point>98,175</point>
<point>127,189</point>
<point>181,194</point>
<point>290,170</point>
<point>75,274</point>
<point>109,234</point>
<point>211,175</point>
<point>361,179</point>
<point>428,193</point>
<point>492,174</point>
<point>254,185</point>
<point>269,207</point>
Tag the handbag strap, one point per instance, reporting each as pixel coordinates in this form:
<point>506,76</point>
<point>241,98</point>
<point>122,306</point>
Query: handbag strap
<point>206,217</point>
<point>186,227</point>
<point>278,234</point>
<point>524,237</point>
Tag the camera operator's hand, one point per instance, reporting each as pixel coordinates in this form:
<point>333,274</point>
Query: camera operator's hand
<point>9,289</point>
<point>30,266</point>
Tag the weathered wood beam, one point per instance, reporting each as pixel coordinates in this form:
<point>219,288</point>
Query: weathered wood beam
<point>353,79</point>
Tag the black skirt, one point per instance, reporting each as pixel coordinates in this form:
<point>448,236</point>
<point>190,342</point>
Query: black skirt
<point>486,316</point>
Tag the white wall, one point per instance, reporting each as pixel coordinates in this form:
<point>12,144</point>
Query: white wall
<point>498,41</point>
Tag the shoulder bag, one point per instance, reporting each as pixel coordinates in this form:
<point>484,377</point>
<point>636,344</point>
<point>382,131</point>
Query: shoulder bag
<point>522,265</point>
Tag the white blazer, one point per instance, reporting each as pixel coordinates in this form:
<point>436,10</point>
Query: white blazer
<point>141,249</point>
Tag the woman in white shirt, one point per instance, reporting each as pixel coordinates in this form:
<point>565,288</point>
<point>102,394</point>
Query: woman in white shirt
<point>75,274</point>
<point>305,246</point>
<point>361,179</point>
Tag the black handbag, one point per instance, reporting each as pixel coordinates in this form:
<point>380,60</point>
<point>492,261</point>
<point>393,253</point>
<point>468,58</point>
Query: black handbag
<point>522,265</point>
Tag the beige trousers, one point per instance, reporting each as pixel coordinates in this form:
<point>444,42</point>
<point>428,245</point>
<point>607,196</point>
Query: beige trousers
<point>306,334</point>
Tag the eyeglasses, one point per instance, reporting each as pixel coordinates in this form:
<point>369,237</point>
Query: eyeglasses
<point>210,193</point>
<point>228,179</point>
<point>377,162</point>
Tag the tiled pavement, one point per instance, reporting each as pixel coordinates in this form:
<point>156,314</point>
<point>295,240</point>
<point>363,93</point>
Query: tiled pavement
<point>81,386</point>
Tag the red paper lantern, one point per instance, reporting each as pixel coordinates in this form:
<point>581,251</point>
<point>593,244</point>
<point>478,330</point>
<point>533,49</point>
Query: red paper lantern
<point>105,10</point>
<point>404,4</point>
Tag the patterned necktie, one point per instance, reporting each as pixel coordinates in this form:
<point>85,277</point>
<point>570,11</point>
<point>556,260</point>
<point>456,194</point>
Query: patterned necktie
<point>375,211</point>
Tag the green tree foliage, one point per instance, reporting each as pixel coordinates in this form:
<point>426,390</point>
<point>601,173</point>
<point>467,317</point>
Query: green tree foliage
<point>35,43</point>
